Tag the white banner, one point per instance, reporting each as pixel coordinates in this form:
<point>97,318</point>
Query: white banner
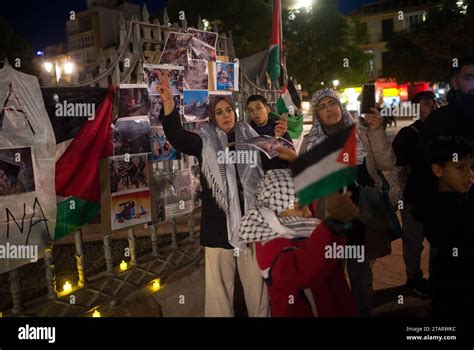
<point>27,171</point>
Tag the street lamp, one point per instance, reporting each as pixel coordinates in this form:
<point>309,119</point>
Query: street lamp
<point>335,83</point>
<point>306,4</point>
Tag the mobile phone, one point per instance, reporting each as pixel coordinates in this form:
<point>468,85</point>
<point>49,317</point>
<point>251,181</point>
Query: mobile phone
<point>368,99</point>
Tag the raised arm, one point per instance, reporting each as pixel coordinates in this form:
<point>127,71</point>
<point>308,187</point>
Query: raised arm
<point>184,141</point>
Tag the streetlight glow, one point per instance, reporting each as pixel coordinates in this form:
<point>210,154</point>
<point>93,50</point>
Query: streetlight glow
<point>68,68</point>
<point>306,4</point>
<point>48,66</point>
<point>335,83</point>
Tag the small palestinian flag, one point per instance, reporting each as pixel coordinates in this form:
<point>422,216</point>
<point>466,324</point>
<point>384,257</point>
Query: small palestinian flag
<point>326,168</point>
<point>289,101</point>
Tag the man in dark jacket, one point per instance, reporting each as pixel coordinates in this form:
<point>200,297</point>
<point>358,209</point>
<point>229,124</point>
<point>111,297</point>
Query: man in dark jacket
<point>265,122</point>
<point>454,119</point>
<point>403,145</point>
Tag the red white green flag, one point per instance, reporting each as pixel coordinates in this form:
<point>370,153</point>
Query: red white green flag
<point>274,68</point>
<point>326,168</point>
<point>77,171</point>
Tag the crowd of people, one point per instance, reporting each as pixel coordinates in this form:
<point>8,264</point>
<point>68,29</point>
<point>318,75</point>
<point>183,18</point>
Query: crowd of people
<point>251,219</point>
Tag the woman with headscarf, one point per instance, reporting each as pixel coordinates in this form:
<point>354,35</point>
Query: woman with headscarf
<point>228,191</point>
<point>374,154</point>
<point>292,246</point>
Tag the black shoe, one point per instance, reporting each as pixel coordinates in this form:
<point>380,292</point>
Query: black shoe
<point>420,286</point>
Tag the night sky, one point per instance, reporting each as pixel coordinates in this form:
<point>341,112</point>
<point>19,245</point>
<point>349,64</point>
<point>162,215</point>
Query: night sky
<point>43,25</point>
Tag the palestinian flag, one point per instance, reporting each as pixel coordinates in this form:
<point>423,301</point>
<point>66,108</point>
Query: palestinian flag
<point>289,100</point>
<point>81,145</point>
<point>326,168</point>
<point>274,68</point>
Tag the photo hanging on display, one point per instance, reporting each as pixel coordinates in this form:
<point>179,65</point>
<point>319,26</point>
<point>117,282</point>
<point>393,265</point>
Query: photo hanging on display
<point>161,148</point>
<point>173,193</point>
<point>16,171</point>
<point>196,105</point>
<point>131,135</point>
<point>175,74</point>
<point>130,209</point>
<point>226,76</point>
<point>210,38</point>
<point>199,50</point>
<point>196,75</point>
<point>134,100</point>
<point>156,107</point>
<point>128,173</point>
<point>176,49</point>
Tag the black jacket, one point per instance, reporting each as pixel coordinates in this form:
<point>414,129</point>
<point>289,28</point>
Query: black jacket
<point>404,146</point>
<point>275,163</point>
<point>455,119</point>
<point>450,231</point>
<point>213,219</point>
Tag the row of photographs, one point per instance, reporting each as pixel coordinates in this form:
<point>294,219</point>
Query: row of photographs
<point>134,135</point>
<point>16,171</point>
<point>195,44</point>
<point>134,101</point>
<point>196,75</point>
<point>175,194</point>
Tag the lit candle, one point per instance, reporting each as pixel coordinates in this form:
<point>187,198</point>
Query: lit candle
<point>123,265</point>
<point>67,287</point>
<point>96,314</point>
<point>157,284</point>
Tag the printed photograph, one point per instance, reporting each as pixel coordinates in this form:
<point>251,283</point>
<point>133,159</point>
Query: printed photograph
<point>134,100</point>
<point>130,209</point>
<point>16,171</point>
<point>176,49</point>
<point>196,108</point>
<point>199,50</point>
<point>157,106</point>
<point>268,144</point>
<point>131,135</point>
<point>173,193</point>
<point>226,76</point>
<point>128,173</point>
<point>175,74</point>
<point>196,183</point>
<point>161,148</point>
<point>210,38</point>
<point>195,126</point>
<point>196,75</point>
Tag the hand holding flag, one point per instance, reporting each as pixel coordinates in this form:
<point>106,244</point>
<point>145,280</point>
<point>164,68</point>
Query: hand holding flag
<point>326,168</point>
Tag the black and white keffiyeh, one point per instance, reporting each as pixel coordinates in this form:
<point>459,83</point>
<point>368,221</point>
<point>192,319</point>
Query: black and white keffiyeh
<point>276,193</point>
<point>222,178</point>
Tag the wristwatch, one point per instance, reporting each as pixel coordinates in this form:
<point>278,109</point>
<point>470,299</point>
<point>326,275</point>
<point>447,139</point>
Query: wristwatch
<point>337,227</point>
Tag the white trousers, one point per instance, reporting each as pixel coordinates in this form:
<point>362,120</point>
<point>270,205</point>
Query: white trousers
<point>220,273</point>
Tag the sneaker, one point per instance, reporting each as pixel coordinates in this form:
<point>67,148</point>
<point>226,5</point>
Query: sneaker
<point>420,286</point>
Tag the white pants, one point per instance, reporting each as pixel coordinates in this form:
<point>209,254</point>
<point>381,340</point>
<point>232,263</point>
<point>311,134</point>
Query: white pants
<point>220,273</point>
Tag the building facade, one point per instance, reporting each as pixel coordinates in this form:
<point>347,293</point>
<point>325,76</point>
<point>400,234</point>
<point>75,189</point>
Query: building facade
<point>380,20</point>
<point>96,28</point>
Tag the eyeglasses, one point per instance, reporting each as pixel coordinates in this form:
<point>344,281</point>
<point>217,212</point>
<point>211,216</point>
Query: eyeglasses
<point>322,106</point>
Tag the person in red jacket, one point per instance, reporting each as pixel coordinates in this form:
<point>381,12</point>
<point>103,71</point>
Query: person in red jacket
<point>292,246</point>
